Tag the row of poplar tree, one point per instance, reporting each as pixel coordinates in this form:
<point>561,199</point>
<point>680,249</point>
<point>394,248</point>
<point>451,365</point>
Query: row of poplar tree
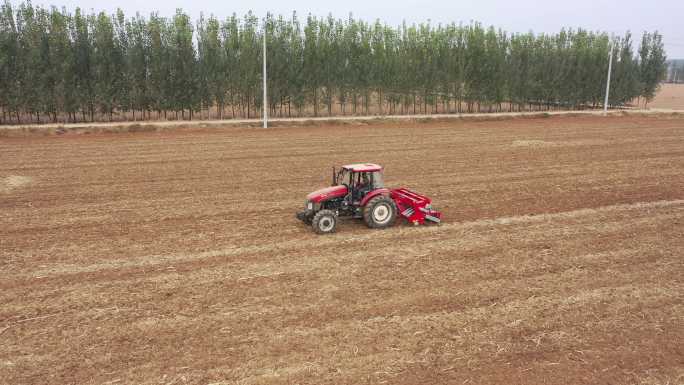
<point>56,65</point>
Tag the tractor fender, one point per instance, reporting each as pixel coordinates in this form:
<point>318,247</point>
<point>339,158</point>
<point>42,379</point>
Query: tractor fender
<point>374,193</point>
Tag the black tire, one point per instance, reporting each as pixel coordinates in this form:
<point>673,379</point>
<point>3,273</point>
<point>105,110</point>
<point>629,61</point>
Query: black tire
<point>324,222</point>
<point>380,212</point>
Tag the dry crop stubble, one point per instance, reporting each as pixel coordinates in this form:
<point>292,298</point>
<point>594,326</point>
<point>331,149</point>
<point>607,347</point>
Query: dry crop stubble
<point>174,257</point>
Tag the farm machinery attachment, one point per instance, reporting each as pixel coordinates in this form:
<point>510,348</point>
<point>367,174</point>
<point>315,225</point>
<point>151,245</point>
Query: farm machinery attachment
<point>358,191</point>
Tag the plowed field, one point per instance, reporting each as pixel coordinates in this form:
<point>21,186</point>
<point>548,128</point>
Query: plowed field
<point>669,96</point>
<point>174,257</point>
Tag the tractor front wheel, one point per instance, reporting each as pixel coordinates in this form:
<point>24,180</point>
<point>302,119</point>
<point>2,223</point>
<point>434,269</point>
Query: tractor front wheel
<point>380,212</point>
<point>324,222</point>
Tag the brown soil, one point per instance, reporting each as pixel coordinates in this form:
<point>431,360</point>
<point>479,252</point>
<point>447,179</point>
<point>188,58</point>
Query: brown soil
<point>174,257</point>
<point>670,96</point>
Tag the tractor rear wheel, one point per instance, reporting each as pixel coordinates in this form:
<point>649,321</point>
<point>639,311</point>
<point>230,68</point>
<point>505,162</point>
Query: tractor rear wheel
<point>380,212</point>
<point>324,222</point>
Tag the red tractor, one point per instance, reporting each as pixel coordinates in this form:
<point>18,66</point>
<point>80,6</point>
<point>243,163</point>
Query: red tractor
<point>357,191</point>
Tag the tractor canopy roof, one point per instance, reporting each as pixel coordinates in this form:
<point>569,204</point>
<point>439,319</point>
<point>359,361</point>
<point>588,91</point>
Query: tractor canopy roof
<point>362,167</point>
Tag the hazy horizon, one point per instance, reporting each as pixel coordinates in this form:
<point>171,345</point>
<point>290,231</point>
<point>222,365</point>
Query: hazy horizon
<point>522,16</point>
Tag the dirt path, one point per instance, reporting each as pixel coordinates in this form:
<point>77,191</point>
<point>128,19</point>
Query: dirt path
<point>279,122</point>
<point>174,257</point>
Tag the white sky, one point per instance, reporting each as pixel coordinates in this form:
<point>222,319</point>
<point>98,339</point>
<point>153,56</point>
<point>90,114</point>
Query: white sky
<point>667,16</point>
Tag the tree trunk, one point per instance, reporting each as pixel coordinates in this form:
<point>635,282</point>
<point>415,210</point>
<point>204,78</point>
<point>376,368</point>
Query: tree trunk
<point>354,101</point>
<point>425,103</point>
<point>380,101</point>
<point>329,104</point>
<point>315,102</point>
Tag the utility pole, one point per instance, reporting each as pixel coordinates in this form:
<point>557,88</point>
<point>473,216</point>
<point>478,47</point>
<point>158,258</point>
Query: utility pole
<point>265,107</point>
<point>610,67</point>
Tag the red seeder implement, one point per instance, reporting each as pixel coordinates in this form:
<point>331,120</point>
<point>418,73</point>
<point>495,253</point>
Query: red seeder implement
<point>416,208</point>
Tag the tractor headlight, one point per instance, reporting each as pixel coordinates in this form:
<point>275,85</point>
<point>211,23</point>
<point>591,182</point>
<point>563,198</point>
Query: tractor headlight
<point>309,205</point>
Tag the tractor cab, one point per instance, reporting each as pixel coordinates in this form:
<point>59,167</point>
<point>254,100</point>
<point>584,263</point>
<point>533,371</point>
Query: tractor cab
<point>359,179</point>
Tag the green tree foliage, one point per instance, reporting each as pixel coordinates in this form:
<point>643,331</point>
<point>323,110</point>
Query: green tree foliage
<point>108,72</point>
<point>653,64</point>
<point>62,66</point>
<point>9,64</point>
<point>183,69</point>
<point>137,65</point>
<point>211,63</point>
